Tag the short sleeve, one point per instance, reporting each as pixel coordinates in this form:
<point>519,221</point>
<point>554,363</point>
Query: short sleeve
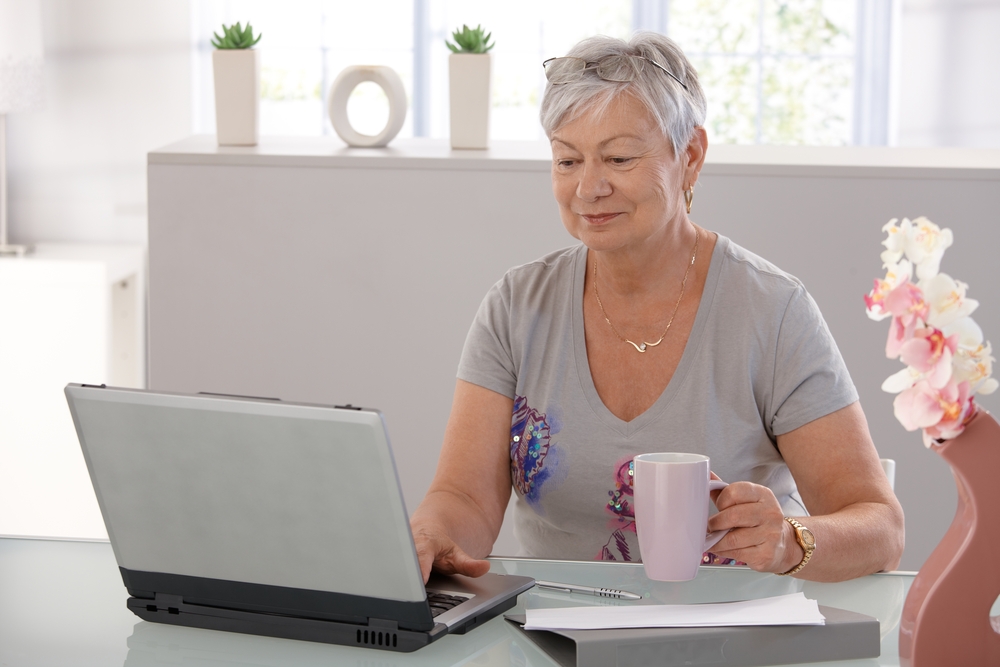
<point>487,359</point>
<point>810,377</point>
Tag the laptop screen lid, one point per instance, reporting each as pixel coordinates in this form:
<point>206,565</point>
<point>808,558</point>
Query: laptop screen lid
<point>254,504</point>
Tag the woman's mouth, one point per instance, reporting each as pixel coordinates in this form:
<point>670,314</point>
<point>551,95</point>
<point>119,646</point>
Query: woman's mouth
<point>599,218</point>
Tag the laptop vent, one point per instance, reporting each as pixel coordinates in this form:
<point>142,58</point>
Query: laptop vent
<point>372,638</point>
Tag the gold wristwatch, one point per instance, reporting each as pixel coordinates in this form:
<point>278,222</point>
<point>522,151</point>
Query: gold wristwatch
<point>806,540</point>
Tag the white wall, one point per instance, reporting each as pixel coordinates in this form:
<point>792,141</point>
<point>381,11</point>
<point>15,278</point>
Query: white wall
<point>949,73</point>
<point>117,84</point>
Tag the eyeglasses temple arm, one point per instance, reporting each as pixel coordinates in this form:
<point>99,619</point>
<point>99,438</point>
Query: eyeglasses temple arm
<point>667,72</point>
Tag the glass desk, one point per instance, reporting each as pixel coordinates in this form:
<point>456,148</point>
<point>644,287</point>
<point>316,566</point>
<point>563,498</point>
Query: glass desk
<point>63,603</point>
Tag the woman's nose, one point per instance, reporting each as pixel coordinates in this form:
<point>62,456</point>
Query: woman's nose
<point>593,183</point>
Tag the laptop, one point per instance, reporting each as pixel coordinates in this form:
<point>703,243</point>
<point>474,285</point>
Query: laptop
<point>269,518</point>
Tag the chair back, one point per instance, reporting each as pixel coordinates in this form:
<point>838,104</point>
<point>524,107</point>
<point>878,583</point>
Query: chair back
<point>889,466</point>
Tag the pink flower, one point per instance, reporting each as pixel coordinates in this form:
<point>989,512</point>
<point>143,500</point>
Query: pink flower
<point>908,308</point>
<point>931,331</point>
<point>942,412</point>
<point>930,351</point>
<point>896,273</point>
<point>956,415</point>
<point>874,299</point>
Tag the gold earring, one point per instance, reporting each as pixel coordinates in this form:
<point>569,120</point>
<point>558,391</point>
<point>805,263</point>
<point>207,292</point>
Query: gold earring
<point>689,197</point>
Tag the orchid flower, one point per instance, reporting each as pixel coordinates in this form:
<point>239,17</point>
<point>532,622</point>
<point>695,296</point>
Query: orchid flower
<point>929,352</point>
<point>896,273</point>
<point>941,412</point>
<point>929,357</point>
<point>906,304</point>
<point>958,408</point>
<point>926,247</point>
<point>896,241</point>
<point>947,360</point>
<point>946,299</point>
<point>975,366</point>
<point>902,380</point>
<point>921,241</point>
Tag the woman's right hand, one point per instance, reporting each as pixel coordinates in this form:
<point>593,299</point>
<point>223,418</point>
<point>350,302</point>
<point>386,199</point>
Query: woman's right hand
<point>435,550</point>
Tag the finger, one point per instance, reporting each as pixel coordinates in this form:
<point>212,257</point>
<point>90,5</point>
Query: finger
<point>743,515</point>
<point>425,557</point>
<point>456,561</point>
<point>747,546</point>
<point>743,538</point>
<point>714,494</point>
<point>741,492</point>
<point>761,547</point>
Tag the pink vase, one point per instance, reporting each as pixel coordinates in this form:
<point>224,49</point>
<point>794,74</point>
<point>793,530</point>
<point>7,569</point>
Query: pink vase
<point>946,618</point>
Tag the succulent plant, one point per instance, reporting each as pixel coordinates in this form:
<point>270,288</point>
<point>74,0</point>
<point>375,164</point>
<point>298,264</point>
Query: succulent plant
<point>470,40</point>
<point>235,37</point>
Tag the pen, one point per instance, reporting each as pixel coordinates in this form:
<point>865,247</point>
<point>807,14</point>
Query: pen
<point>589,590</point>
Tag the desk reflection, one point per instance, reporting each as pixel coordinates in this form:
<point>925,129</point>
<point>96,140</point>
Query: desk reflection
<point>38,628</point>
<point>494,644</point>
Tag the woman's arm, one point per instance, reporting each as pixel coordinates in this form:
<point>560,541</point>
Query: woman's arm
<point>460,517</point>
<point>855,517</point>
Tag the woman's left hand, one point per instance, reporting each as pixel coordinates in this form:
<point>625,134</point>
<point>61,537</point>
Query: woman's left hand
<point>758,533</point>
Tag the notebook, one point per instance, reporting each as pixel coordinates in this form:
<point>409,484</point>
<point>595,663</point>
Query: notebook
<point>846,635</point>
<point>266,517</point>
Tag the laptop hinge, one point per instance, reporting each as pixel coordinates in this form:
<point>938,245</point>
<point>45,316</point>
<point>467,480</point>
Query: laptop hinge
<point>164,601</point>
<point>173,604</point>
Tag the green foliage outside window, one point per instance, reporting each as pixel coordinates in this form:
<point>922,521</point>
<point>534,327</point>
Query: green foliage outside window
<point>774,71</point>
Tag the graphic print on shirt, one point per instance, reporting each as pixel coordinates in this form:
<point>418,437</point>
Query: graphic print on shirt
<point>534,458</point>
<point>623,543</point>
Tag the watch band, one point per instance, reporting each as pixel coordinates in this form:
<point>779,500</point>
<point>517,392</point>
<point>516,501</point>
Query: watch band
<point>806,540</point>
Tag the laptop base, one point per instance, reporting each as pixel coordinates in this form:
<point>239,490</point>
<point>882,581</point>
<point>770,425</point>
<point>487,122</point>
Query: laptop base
<point>378,634</point>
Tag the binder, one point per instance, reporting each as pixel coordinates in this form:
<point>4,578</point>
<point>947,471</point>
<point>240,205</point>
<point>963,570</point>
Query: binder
<point>847,635</point>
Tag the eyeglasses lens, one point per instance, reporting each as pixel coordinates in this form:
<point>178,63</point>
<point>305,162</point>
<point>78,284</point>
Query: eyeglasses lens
<point>619,68</point>
<point>564,70</point>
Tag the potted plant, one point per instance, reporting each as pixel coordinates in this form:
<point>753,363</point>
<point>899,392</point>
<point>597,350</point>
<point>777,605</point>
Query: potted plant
<point>469,86</point>
<point>236,66</point>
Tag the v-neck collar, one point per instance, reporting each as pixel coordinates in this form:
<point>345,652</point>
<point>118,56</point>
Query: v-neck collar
<point>629,428</point>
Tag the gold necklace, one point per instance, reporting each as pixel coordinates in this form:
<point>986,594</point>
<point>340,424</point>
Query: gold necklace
<point>641,347</point>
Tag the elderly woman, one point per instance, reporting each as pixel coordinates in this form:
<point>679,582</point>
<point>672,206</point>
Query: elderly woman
<point>652,334</point>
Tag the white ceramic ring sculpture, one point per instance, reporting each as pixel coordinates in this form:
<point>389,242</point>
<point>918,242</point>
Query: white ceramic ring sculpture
<point>336,102</point>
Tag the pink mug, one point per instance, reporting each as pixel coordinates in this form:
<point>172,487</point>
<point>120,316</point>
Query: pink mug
<point>671,496</point>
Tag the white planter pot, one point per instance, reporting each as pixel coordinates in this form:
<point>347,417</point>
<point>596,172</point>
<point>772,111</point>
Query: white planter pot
<point>469,86</point>
<point>237,96</point>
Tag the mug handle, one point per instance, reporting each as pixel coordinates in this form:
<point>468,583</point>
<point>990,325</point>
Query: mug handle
<point>713,538</point>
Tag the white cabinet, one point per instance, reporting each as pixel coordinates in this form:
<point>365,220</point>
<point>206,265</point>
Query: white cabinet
<point>68,313</point>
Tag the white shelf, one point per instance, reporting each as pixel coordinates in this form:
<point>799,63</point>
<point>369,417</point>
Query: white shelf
<point>729,159</point>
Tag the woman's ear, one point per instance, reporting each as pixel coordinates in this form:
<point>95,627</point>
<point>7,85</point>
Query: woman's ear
<point>695,154</point>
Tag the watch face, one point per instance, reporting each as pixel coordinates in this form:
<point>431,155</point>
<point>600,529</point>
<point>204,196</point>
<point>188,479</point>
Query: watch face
<point>808,538</point>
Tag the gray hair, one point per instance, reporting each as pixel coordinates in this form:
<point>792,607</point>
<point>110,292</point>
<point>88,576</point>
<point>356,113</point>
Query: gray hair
<point>676,111</point>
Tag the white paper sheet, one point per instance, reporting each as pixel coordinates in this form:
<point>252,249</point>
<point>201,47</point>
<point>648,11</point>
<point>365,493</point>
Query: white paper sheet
<point>793,609</point>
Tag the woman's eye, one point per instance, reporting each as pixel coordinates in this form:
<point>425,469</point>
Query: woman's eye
<point>620,160</point>
<point>564,163</point>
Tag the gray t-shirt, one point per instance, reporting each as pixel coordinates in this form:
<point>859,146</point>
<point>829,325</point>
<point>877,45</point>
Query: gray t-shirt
<point>760,362</point>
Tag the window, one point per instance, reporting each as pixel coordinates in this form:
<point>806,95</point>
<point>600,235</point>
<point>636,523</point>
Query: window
<point>775,71</point>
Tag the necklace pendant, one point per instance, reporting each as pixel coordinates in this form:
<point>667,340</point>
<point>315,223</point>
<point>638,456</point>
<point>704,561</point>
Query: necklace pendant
<point>642,348</point>
<point>638,347</point>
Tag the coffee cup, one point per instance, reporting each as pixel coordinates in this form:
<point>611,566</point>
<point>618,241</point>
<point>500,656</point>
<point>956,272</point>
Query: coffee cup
<point>671,496</point>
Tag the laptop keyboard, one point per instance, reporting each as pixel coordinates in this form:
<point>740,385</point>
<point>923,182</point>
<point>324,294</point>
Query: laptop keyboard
<point>442,602</point>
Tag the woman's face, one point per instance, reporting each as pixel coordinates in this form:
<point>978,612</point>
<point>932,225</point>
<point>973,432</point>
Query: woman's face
<point>616,179</point>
